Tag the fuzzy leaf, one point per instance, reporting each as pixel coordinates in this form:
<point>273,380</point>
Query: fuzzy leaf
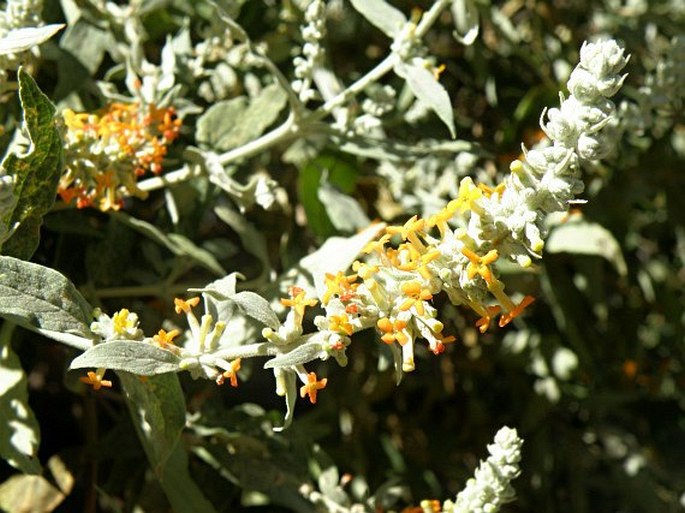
<point>585,238</point>
<point>465,17</point>
<point>158,410</point>
<point>255,306</point>
<point>381,14</point>
<point>19,429</point>
<point>298,356</point>
<point>426,88</point>
<point>232,123</point>
<point>20,40</point>
<point>131,356</point>
<point>36,173</point>
<point>344,211</point>
<point>43,300</point>
<point>290,379</point>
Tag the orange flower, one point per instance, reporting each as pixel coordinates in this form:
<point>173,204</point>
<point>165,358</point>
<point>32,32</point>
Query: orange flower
<point>185,306</point>
<point>392,330</point>
<point>518,310</point>
<point>478,265</point>
<point>95,380</point>
<point>312,387</point>
<point>484,322</point>
<point>231,374</point>
<point>298,301</point>
<point>164,338</point>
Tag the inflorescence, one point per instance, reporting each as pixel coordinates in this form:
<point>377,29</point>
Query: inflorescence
<point>454,251</point>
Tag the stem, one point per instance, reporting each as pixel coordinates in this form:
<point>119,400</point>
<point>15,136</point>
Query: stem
<point>383,67</point>
<point>247,351</point>
<point>178,176</point>
<point>287,130</point>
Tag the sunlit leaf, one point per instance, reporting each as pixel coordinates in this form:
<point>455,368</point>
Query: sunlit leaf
<point>43,300</point>
<point>36,173</point>
<point>137,357</point>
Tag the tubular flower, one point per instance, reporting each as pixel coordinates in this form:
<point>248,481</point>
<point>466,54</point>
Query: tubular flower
<point>298,301</point>
<point>416,295</point>
<point>339,285</point>
<point>95,380</point>
<point>165,339</point>
<point>393,331</point>
<point>107,151</point>
<point>312,386</point>
<point>515,312</point>
<point>231,374</point>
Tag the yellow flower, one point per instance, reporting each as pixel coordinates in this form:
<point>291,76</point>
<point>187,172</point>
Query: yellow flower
<point>340,323</point>
<point>164,339</point>
<point>123,321</point>
<point>416,295</point>
<point>298,301</point>
<point>478,265</point>
<point>393,331</point>
<point>340,285</point>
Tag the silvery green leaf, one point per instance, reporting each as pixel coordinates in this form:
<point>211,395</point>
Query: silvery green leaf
<point>255,306</point>
<point>381,14</point>
<point>178,244</point>
<point>43,300</point>
<point>136,357</point>
<point>158,410</point>
<point>585,238</point>
<point>87,43</point>
<point>20,40</point>
<point>298,356</point>
<point>426,88</point>
<point>232,123</point>
<point>19,429</point>
<point>344,211</point>
<point>218,121</point>
<point>290,379</point>
<point>465,17</point>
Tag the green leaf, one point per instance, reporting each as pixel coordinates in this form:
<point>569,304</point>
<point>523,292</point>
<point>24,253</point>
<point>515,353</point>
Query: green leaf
<point>381,15</point>
<point>465,17</point>
<point>585,238</point>
<point>136,357</point>
<point>43,300</point>
<point>183,493</point>
<point>298,356</point>
<point>19,429</point>
<point>178,244</point>
<point>232,123</point>
<point>345,212</point>
<point>36,173</point>
<point>426,88</point>
<point>87,43</point>
<point>20,40</point>
<point>157,407</point>
<point>158,410</point>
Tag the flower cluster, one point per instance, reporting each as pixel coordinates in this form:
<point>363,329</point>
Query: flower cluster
<point>16,15</point>
<point>454,251</point>
<point>490,488</point>
<point>313,31</point>
<point>107,151</point>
